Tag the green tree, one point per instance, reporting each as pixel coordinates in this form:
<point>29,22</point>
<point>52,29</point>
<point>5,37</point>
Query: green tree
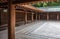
<point>39,4</point>
<point>44,4</point>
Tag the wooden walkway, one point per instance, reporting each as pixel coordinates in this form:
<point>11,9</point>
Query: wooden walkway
<point>36,30</point>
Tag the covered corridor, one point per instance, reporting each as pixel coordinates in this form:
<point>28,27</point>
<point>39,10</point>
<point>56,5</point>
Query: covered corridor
<point>31,22</point>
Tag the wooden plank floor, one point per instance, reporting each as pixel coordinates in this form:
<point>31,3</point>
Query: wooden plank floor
<point>36,30</point>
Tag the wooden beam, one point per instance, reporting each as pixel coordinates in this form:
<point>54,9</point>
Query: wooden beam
<point>22,11</point>
<point>29,7</point>
<point>11,24</point>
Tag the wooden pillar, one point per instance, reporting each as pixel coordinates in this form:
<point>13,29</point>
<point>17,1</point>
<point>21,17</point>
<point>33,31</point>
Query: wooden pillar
<point>0,16</point>
<point>57,16</point>
<point>26,18</point>
<point>47,16</point>
<point>11,19</point>
<point>36,16</point>
<point>32,17</point>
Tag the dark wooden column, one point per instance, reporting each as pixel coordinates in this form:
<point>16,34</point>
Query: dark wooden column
<point>36,16</point>
<point>26,18</point>
<point>11,24</point>
<point>47,16</point>
<point>0,16</point>
<point>57,16</point>
<point>32,17</point>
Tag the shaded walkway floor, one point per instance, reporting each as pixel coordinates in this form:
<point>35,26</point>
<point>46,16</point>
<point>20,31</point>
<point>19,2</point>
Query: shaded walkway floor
<point>37,30</point>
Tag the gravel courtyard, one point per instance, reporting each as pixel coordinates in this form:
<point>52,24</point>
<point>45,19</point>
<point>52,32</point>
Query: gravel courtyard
<point>36,30</point>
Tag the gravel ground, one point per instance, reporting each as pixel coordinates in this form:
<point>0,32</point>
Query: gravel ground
<point>36,30</point>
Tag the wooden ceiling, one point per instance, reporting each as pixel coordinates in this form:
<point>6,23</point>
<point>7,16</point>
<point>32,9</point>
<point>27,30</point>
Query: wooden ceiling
<point>23,1</point>
<point>3,3</point>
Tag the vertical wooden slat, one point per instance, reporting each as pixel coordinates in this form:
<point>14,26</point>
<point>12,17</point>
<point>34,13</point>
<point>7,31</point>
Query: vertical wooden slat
<point>47,16</point>
<point>36,16</point>
<point>11,24</point>
<point>26,18</point>
<point>39,16</point>
<point>32,17</point>
<point>57,16</point>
